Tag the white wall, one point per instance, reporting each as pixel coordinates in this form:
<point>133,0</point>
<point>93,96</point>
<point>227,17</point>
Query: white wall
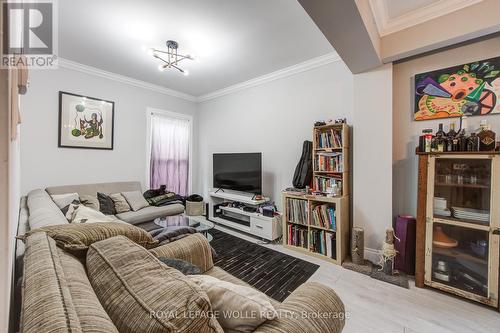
<point>5,240</point>
<point>406,130</point>
<point>274,118</point>
<point>44,164</point>
<point>372,154</point>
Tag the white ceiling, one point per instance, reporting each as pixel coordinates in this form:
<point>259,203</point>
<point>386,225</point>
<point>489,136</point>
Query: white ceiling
<point>394,15</point>
<point>235,40</point>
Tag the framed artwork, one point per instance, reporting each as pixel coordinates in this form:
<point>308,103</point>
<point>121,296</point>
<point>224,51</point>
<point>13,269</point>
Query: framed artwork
<point>471,89</point>
<point>85,122</point>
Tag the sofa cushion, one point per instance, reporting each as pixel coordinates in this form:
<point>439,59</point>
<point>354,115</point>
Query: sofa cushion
<point>43,211</point>
<point>225,276</point>
<point>140,294</point>
<point>83,214</point>
<point>228,298</point>
<point>89,310</point>
<point>106,204</point>
<point>121,205</point>
<point>77,237</point>
<point>90,201</point>
<point>135,199</point>
<point>46,300</point>
<point>63,200</point>
<point>150,213</point>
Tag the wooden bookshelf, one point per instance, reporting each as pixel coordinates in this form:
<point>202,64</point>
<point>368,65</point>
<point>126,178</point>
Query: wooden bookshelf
<point>330,141</point>
<point>341,231</point>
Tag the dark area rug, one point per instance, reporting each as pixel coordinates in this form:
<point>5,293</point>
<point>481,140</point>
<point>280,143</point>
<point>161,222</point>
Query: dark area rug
<point>274,273</point>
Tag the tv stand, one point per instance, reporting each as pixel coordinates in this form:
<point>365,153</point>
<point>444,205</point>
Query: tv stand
<point>253,223</point>
<point>240,197</point>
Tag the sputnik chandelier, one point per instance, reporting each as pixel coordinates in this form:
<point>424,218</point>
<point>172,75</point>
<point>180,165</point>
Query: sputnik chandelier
<point>170,57</point>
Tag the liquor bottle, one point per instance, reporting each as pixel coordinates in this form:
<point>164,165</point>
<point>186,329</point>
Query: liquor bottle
<point>473,142</point>
<point>440,139</point>
<point>486,137</point>
<point>450,136</point>
<point>462,135</point>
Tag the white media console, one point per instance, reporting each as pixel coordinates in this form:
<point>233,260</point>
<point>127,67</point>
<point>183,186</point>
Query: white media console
<point>254,223</point>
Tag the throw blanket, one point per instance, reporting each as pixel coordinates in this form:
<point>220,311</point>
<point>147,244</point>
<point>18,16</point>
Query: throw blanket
<point>172,233</point>
<point>166,199</point>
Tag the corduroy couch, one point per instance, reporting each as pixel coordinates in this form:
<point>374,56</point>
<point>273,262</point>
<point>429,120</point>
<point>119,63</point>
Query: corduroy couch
<point>58,296</point>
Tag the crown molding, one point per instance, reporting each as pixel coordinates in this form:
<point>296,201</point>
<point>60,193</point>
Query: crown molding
<point>387,26</point>
<point>65,63</point>
<point>279,74</point>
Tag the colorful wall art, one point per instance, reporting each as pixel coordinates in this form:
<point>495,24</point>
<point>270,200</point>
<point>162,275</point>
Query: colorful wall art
<point>471,89</point>
<point>85,122</point>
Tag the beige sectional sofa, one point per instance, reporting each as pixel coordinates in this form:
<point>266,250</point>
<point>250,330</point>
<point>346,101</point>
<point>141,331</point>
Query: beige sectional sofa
<point>57,295</point>
<point>143,215</point>
<point>37,210</point>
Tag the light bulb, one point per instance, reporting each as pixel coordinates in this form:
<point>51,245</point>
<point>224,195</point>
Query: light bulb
<point>161,68</point>
<point>186,72</point>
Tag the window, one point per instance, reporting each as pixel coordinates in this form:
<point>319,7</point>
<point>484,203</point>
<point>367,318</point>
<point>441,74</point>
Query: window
<point>169,151</point>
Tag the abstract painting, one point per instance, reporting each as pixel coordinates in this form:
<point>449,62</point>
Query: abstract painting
<point>85,122</point>
<point>472,89</point>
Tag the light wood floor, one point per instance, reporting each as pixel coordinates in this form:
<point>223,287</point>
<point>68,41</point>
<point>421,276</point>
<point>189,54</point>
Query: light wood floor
<point>375,306</point>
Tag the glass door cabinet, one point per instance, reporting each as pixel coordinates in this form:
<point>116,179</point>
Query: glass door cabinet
<point>462,226</point>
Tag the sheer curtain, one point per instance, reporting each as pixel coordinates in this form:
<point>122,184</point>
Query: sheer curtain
<point>169,164</point>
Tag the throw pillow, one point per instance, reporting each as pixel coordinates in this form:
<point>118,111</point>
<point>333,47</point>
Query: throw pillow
<point>84,214</point>
<point>182,266</point>
<point>90,201</point>
<point>106,204</point>
<point>142,295</point>
<point>77,237</point>
<point>227,297</point>
<point>68,210</point>
<point>121,205</point>
<point>62,200</point>
<point>136,200</point>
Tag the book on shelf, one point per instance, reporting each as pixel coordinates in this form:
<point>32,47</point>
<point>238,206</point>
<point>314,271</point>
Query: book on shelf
<point>329,139</point>
<point>322,183</point>
<point>297,236</point>
<point>323,242</point>
<point>296,211</point>
<point>329,162</point>
<point>324,216</point>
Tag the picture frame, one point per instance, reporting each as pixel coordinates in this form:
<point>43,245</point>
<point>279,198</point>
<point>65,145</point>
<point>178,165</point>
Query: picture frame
<point>85,122</point>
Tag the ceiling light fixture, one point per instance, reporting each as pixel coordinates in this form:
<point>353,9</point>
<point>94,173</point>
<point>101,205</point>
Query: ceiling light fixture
<point>170,57</point>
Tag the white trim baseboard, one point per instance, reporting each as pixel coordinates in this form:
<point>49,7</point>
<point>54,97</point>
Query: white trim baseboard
<point>279,74</point>
<point>65,63</point>
<point>372,254</point>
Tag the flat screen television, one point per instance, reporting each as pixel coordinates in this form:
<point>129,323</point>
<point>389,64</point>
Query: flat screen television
<point>238,172</point>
